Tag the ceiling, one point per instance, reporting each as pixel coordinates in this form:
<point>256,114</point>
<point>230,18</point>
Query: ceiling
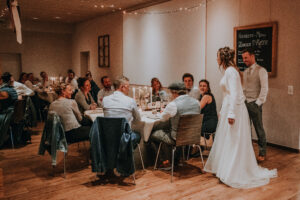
<point>72,11</point>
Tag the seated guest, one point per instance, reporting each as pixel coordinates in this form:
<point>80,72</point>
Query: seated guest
<point>208,108</point>
<point>69,114</point>
<point>157,93</point>
<point>22,78</point>
<point>94,87</point>
<point>8,95</point>
<point>165,130</point>
<point>119,104</point>
<point>22,89</point>
<point>44,82</point>
<point>71,79</point>
<point>83,97</point>
<point>30,83</point>
<point>107,89</point>
<point>188,80</point>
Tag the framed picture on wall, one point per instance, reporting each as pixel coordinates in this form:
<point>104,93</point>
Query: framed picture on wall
<point>103,51</point>
<point>263,39</point>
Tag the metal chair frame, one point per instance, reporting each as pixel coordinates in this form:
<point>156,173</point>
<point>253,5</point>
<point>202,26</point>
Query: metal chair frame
<point>188,133</point>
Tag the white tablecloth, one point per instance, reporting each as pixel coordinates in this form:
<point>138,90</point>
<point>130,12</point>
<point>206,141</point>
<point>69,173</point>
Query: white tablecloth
<point>144,127</point>
<point>49,96</point>
<point>93,114</point>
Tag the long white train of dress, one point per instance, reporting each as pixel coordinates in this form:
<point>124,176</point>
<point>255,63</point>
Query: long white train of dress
<point>232,157</point>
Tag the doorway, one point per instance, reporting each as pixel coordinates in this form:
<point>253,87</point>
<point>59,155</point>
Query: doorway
<point>84,62</point>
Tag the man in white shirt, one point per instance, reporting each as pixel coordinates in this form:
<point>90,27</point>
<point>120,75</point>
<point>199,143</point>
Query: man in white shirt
<point>255,82</point>
<point>119,104</point>
<point>45,80</point>
<point>165,130</point>
<point>107,89</point>
<point>29,83</point>
<point>188,81</point>
<point>72,80</point>
<point>22,89</point>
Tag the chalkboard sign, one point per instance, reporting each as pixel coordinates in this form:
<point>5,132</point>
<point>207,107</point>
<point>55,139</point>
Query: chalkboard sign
<point>263,39</point>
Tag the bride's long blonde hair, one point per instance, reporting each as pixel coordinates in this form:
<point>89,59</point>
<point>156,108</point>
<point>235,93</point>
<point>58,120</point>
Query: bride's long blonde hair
<point>227,56</point>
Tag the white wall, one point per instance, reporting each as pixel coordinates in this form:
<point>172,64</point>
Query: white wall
<point>85,38</point>
<point>164,45</point>
<point>45,47</point>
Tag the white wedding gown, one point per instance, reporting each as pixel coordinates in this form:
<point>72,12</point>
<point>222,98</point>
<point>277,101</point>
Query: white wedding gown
<point>232,157</point>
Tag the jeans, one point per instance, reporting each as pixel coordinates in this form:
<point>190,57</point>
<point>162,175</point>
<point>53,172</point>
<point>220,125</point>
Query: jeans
<point>78,134</point>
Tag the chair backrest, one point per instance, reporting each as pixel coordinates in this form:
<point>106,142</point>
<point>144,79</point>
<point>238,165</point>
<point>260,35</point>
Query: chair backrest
<point>53,137</point>
<point>19,111</point>
<point>30,115</point>
<point>110,130</point>
<point>189,129</point>
<point>5,120</point>
<point>111,145</point>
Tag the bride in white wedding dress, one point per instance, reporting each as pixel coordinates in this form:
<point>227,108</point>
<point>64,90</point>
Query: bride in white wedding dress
<point>232,157</point>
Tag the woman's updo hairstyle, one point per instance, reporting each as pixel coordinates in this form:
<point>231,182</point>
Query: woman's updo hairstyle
<point>227,56</point>
<point>227,59</point>
<point>60,88</point>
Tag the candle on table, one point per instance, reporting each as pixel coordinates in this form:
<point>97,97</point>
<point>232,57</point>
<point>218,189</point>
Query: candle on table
<point>133,93</point>
<point>139,94</point>
<point>150,94</point>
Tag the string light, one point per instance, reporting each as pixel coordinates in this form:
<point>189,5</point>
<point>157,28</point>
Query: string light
<point>177,10</point>
<point>4,12</point>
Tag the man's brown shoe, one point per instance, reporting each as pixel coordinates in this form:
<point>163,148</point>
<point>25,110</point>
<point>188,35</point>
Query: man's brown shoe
<point>166,165</point>
<point>261,158</point>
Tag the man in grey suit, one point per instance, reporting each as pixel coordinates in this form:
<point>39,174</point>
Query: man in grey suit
<point>165,129</point>
<point>256,90</point>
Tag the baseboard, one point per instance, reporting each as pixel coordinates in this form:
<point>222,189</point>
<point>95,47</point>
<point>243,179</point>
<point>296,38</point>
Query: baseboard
<point>280,147</point>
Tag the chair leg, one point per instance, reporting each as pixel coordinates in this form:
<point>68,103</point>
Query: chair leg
<point>183,153</point>
<point>87,152</point>
<point>141,157</point>
<point>173,152</point>
<point>11,138</point>
<point>188,154</point>
<point>206,148</point>
<point>201,155</point>
<point>64,165</point>
<point>157,155</point>
<point>53,170</point>
<point>133,175</point>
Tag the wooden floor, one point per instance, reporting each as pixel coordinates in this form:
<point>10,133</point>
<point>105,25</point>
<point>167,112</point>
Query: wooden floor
<point>26,175</point>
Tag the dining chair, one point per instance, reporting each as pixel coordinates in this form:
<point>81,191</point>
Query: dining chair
<point>188,133</point>
<point>111,146</point>
<point>5,133</point>
<point>53,139</point>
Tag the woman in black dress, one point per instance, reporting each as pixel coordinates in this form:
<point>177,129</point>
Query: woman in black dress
<point>208,109</point>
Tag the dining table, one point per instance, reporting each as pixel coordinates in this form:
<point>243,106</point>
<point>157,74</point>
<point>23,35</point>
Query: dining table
<point>144,127</point>
<point>47,95</point>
